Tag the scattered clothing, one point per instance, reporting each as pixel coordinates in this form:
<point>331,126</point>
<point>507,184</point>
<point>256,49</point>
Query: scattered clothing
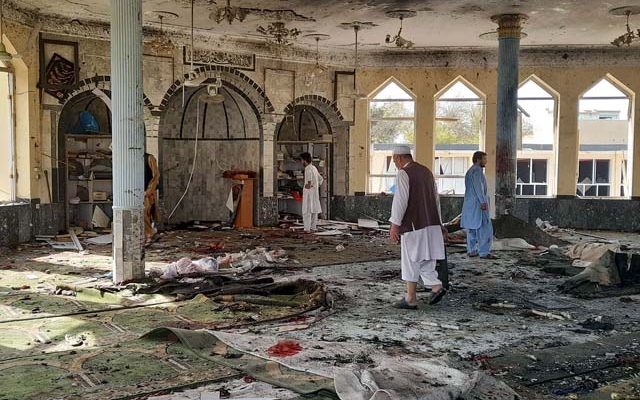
<point>151,180</point>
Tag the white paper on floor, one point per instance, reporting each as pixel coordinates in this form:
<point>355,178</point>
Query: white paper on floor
<point>102,239</point>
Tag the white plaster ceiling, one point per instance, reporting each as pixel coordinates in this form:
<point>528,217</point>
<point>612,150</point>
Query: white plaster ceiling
<point>439,23</point>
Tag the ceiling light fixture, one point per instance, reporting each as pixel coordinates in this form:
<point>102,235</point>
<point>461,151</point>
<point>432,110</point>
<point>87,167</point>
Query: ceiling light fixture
<point>317,68</point>
<point>629,36</point>
<point>356,26</point>
<point>229,13</point>
<point>213,91</point>
<point>193,80</point>
<point>398,39</point>
<point>278,34</point>
<point>4,54</point>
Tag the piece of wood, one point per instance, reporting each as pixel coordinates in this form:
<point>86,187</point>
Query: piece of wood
<point>75,240</point>
<point>368,223</point>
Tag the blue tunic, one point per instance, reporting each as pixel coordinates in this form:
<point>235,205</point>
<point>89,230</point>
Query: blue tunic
<point>475,194</point>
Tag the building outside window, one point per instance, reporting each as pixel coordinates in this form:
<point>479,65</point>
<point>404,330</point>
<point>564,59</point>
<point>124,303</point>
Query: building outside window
<point>459,129</point>
<point>532,177</point>
<point>604,128</point>
<point>595,178</point>
<point>391,122</point>
<point>450,172</point>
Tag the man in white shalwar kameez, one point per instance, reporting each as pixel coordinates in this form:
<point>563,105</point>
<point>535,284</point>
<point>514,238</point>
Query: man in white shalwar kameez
<point>415,222</point>
<point>310,194</point>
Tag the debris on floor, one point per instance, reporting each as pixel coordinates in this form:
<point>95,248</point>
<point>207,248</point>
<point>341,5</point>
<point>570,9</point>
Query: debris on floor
<point>312,316</point>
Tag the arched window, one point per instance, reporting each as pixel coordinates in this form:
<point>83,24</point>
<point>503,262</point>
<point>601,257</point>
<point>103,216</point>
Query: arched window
<point>391,121</point>
<point>459,129</point>
<point>604,131</point>
<point>536,138</point>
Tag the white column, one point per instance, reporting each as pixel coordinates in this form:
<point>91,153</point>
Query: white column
<point>128,140</point>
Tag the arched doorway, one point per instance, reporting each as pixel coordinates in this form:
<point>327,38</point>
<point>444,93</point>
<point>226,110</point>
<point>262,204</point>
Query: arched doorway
<point>303,129</point>
<point>84,159</point>
<point>199,140</point>
<point>313,123</point>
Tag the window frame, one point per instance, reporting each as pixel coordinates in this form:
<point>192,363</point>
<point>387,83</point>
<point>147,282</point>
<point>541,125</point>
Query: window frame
<point>531,182</point>
<point>438,154</point>
<point>615,191</point>
<point>370,121</point>
<point>550,156</point>
<point>12,150</point>
<point>593,177</point>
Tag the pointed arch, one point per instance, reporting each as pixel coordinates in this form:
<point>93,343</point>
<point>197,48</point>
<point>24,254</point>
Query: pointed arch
<point>460,80</point>
<point>611,80</point>
<point>391,121</point>
<point>389,83</point>
<point>540,82</point>
<point>605,132</point>
<point>459,130</point>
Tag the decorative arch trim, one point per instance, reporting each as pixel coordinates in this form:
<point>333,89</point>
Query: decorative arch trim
<point>395,80</point>
<point>468,84</point>
<point>539,81</point>
<point>615,82</point>
<point>327,107</point>
<point>241,81</point>
<point>100,82</point>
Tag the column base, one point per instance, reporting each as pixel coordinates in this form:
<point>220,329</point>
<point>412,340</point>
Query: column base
<point>128,244</point>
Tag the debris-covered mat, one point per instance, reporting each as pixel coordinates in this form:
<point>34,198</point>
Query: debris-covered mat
<point>129,369</point>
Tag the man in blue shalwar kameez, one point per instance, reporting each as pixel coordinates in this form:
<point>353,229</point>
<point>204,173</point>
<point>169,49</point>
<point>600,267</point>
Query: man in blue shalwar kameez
<point>475,210</point>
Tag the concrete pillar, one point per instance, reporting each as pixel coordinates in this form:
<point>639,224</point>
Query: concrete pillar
<point>509,31</point>
<point>568,144</point>
<point>359,150</point>
<point>633,153</point>
<point>128,140</point>
<point>425,128</point>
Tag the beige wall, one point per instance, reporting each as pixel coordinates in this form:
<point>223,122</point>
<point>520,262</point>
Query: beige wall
<point>604,131</point>
<point>35,125</point>
<point>569,83</point>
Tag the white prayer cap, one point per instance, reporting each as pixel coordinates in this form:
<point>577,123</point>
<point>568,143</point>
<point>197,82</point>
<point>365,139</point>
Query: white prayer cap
<point>401,149</point>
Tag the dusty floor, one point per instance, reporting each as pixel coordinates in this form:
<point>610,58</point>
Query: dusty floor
<point>485,323</point>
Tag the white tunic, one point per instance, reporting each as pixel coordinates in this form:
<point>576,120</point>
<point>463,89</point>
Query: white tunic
<point>422,244</point>
<point>311,196</point>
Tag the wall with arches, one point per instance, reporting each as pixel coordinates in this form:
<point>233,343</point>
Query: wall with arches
<point>569,83</point>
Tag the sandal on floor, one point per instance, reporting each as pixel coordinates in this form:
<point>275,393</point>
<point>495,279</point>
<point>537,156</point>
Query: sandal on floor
<point>437,296</point>
<point>403,305</point>
<point>473,254</point>
<point>489,257</point>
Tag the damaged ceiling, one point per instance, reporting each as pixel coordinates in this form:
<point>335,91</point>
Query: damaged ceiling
<point>452,23</point>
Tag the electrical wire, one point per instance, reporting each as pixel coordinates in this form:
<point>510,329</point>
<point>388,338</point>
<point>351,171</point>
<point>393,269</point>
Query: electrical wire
<point>193,165</point>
